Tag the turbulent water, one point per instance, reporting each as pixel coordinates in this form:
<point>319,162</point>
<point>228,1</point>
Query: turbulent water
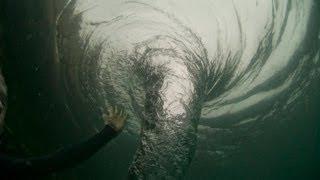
<point>188,72</point>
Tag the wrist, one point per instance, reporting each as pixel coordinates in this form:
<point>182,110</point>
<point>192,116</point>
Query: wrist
<point>114,127</point>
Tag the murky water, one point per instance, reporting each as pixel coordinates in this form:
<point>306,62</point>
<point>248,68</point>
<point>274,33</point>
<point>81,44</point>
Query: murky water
<point>214,89</point>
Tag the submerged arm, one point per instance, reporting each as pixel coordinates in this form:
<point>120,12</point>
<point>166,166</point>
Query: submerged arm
<point>66,157</point>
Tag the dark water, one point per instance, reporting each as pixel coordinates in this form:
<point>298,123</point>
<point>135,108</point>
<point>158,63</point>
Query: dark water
<point>256,81</point>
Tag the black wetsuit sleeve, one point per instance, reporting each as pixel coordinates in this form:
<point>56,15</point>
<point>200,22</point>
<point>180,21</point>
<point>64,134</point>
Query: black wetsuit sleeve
<point>63,158</point>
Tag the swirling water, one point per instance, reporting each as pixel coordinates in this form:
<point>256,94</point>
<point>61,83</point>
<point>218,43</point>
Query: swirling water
<point>190,74</point>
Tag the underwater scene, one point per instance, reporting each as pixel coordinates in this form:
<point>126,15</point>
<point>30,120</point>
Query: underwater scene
<point>160,89</point>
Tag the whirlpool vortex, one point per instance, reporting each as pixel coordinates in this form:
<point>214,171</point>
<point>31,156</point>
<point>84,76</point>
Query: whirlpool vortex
<point>187,71</point>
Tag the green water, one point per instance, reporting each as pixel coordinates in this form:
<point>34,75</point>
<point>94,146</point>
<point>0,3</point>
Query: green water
<point>39,118</point>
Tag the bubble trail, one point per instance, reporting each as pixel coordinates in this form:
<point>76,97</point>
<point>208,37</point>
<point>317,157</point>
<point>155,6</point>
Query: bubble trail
<point>187,69</point>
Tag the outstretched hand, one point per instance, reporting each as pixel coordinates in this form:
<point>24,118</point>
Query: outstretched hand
<point>115,118</point>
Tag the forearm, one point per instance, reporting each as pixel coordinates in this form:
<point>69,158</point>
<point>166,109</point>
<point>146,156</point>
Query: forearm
<point>66,157</point>
<point>73,154</point>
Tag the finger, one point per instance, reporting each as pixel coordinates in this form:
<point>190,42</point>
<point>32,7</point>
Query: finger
<point>118,110</point>
<point>115,110</point>
<point>125,115</point>
<point>121,112</point>
<point>109,111</point>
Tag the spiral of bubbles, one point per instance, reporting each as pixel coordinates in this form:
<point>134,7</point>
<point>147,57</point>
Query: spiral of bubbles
<point>187,72</point>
